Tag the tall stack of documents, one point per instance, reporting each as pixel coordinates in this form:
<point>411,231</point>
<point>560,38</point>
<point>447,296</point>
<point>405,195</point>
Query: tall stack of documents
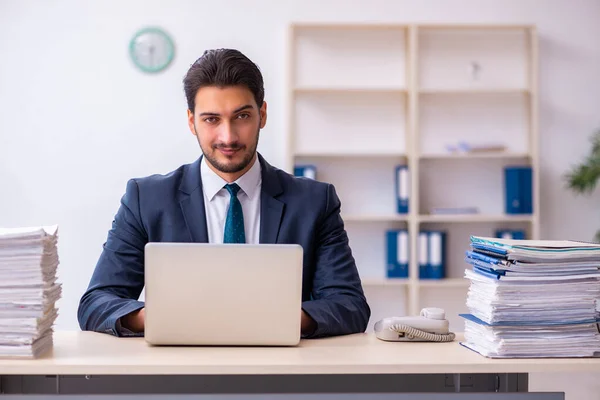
<point>28,291</point>
<point>532,298</point>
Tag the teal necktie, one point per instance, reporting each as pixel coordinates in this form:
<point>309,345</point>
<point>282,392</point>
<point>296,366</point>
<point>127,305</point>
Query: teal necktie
<point>234,225</point>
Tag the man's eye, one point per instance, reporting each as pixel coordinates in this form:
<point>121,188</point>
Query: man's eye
<point>210,120</point>
<point>243,116</point>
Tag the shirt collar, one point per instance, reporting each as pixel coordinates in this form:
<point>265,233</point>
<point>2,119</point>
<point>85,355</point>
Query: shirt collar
<point>212,183</point>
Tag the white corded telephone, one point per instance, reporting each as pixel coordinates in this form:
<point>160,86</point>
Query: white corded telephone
<point>430,326</point>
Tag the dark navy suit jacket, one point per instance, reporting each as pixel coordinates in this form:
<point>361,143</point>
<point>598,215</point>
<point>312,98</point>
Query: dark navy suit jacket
<point>170,208</point>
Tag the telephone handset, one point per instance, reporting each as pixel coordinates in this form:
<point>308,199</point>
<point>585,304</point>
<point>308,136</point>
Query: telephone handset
<point>430,326</point>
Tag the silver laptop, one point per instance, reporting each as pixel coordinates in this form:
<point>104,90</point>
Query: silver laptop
<point>223,294</point>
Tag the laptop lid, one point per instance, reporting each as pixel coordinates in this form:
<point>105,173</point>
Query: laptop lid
<point>223,294</point>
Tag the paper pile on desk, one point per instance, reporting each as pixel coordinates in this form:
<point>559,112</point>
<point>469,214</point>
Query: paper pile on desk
<point>28,291</point>
<point>533,298</point>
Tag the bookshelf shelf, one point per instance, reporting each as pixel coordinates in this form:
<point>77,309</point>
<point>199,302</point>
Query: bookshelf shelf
<point>348,89</point>
<point>349,155</point>
<point>475,156</point>
<point>385,282</point>
<point>475,218</point>
<point>475,27</point>
<point>299,26</point>
<point>374,218</point>
<point>367,98</point>
<point>446,282</point>
<point>474,91</point>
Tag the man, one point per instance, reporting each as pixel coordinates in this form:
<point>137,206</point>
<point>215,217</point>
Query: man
<point>229,195</point>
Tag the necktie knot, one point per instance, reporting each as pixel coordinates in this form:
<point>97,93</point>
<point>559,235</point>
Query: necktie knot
<point>233,189</point>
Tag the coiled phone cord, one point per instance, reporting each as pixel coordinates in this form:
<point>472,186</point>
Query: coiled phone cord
<point>412,333</point>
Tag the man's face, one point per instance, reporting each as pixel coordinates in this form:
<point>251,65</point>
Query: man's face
<point>227,122</point>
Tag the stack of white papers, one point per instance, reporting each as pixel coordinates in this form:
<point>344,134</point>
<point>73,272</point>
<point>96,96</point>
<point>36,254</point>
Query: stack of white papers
<point>533,298</point>
<point>514,341</point>
<point>28,290</point>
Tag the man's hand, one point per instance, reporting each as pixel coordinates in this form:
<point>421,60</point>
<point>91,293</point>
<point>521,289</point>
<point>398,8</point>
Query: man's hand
<point>308,325</point>
<point>134,321</point>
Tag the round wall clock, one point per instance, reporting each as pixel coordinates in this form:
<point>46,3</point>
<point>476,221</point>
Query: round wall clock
<point>151,49</point>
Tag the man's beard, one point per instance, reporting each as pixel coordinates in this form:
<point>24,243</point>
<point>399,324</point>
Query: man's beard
<point>231,168</point>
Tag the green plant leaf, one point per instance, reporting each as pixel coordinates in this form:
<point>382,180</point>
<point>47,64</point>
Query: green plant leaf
<point>583,178</point>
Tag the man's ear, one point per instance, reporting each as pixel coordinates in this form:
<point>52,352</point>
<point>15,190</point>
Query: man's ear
<point>263,115</point>
<point>191,122</point>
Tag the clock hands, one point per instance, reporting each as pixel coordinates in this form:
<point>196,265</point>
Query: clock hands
<point>151,51</point>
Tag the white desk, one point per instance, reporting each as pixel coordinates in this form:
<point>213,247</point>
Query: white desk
<point>86,353</point>
<point>95,353</point>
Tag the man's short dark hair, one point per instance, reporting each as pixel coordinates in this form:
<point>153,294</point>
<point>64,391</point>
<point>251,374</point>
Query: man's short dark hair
<point>222,68</point>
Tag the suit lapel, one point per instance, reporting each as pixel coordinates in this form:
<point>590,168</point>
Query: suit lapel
<point>192,203</point>
<point>271,208</point>
<point>271,211</point>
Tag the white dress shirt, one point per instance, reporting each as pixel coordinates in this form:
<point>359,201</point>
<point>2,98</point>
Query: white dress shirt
<point>216,202</point>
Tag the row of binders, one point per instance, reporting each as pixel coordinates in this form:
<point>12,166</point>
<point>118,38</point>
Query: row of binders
<point>28,291</point>
<point>532,298</point>
<point>518,189</point>
<point>431,248</point>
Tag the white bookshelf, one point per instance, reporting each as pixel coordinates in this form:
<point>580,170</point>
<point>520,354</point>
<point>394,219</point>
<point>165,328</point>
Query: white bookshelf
<point>364,98</point>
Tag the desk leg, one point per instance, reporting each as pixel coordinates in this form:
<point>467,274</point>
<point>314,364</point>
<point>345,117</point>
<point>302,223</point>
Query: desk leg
<point>508,383</point>
<point>457,383</point>
<point>505,382</point>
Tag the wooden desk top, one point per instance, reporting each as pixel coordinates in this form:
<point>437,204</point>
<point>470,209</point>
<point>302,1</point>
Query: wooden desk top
<point>83,353</point>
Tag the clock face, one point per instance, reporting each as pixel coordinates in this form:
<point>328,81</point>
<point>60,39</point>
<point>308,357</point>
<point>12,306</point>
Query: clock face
<point>151,50</point>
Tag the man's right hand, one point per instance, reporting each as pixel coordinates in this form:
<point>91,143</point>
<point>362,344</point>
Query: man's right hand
<point>134,321</point>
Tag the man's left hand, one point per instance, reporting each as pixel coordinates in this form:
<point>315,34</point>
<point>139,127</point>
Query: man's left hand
<point>308,325</point>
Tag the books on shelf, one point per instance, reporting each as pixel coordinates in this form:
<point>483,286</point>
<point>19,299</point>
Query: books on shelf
<point>518,190</point>
<point>532,298</point>
<point>432,260</point>
<point>397,244</point>
<point>466,147</point>
<point>423,259</point>
<point>431,254</point>
<point>28,290</point>
<point>436,265</point>
<point>511,234</point>
<point>402,186</point>
<point>432,257</point>
<point>306,171</point>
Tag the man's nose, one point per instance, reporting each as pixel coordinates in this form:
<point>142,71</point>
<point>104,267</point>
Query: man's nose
<point>227,133</point>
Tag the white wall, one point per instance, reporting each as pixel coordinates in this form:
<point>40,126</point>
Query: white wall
<point>77,120</point>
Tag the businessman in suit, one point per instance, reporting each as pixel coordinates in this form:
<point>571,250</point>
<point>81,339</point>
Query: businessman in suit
<point>229,195</point>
